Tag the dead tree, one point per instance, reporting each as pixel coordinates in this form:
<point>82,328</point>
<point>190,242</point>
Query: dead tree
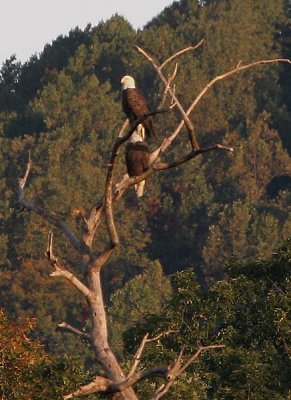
<point>115,380</point>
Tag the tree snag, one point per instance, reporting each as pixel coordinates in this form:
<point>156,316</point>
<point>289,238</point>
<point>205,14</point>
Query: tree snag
<point>115,380</point>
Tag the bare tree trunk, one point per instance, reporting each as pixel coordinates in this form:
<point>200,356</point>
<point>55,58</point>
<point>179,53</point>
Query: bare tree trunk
<point>104,354</point>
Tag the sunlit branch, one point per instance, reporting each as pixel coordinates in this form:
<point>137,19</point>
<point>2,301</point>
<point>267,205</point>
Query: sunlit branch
<point>186,119</point>
<point>169,82</point>
<point>75,331</point>
<point>60,271</point>
<point>159,166</point>
<point>180,52</point>
<point>238,68</point>
<point>146,339</point>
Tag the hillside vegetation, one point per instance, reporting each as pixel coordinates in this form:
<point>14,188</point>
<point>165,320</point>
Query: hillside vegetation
<point>199,223</point>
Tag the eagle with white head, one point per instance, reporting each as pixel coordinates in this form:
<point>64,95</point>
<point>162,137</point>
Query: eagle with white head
<point>134,105</point>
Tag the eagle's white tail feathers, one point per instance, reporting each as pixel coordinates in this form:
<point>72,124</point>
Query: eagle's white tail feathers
<point>139,188</point>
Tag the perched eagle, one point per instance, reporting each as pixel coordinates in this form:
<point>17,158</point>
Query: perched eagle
<point>134,105</point>
<point>137,157</point>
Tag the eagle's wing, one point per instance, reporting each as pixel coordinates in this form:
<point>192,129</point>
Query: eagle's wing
<point>137,158</point>
<point>135,105</point>
<point>136,102</point>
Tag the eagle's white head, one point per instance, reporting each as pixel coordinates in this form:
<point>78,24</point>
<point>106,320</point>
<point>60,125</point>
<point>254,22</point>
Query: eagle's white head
<point>127,82</point>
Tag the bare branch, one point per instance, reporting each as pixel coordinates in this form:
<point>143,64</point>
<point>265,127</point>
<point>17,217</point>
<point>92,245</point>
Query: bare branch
<point>159,166</point>
<point>190,156</point>
<point>168,373</point>
<point>56,221</point>
<point>123,128</point>
<point>108,202</point>
<point>92,224</point>
<point>99,384</point>
<point>60,270</point>
<point>75,281</point>
<point>137,356</point>
<point>22,181</point>
<point>233,71</point>
<point>178,53</point>
<point>49,251</point>
<point>186,119</point>
<point>176,371</point>
<point>100,260</point>
<point>75,331</point>
<point>166,333</point>
<point>158,372</point>
<point>169,80</point>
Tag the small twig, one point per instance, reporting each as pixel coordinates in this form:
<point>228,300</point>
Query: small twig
<point>75,331</point>
<point>165,94</point>
<point>49,250</point>
<point>108,204</point>
<point>190,156</point>
<point>201,349</point>
<point>178,53</point>
<point>159,372</point>
<point>173,371</point>
<point>166,333</point>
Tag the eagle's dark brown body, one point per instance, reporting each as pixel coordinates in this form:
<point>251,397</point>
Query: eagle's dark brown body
<point>137,158</point>
<point>134,106</point>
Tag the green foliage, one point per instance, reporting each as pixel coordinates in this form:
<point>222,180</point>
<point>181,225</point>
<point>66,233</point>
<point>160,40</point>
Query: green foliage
<point>27,372</point>
<point>248,313</point>
<point>143,295</point>
<point>64,105</point>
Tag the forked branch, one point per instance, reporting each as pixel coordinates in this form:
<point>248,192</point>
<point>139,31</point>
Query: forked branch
<point>159,166</point>
<point>169,374</point>
<point>60,270</point>
<point>186,119</point>
<point>177,369</point>
<point>138,354</point>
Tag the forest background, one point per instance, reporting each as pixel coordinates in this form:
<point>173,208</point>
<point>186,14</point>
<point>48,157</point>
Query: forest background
<point>194,245</point>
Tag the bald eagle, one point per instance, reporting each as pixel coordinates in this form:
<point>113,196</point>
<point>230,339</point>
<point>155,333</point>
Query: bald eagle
<point>137,157</point>
<point>134,105</point>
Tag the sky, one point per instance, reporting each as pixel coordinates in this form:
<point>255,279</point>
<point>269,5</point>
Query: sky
<point>27,25</point>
